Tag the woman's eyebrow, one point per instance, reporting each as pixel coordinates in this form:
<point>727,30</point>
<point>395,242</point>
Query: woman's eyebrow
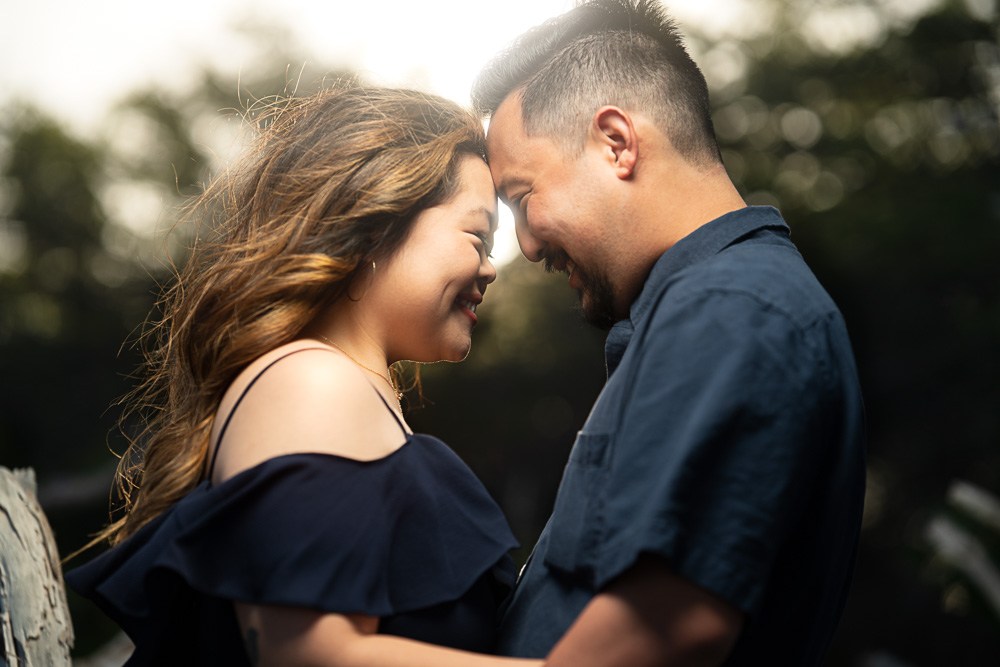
<point>491,217</point>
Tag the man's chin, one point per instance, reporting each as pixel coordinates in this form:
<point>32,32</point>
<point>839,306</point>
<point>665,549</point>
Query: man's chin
<point>596,297</point>
<point>596,311</point>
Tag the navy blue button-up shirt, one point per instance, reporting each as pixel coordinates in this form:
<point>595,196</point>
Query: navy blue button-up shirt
<point>728,440</point>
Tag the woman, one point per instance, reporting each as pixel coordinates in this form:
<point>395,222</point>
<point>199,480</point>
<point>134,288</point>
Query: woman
<point>278,508</point>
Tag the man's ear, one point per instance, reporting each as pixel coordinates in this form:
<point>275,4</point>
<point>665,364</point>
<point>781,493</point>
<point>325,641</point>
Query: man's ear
<point>613,132</point>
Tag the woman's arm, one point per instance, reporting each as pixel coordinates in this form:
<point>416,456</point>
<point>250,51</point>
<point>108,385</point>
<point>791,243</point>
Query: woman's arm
<point>286,636</point>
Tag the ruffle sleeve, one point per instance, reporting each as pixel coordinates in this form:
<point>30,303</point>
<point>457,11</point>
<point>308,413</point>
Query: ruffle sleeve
<point>405,532</point>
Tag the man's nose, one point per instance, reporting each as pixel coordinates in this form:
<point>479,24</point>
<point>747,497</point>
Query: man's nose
<point>531,246</point>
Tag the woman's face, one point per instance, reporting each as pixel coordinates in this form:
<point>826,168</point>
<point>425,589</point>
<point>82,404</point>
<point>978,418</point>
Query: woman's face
<point>429,289</point>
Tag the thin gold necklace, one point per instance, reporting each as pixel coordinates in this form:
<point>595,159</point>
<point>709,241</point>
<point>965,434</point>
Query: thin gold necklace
<point>395,392</point>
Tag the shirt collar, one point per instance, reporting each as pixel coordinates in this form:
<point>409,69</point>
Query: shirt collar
<point>704,242</point>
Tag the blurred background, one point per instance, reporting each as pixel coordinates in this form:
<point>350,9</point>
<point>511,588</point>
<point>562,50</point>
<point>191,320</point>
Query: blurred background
<point>872,124</point>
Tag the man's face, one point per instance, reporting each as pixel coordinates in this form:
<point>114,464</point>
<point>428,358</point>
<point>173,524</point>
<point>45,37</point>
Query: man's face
<point>561,216</point>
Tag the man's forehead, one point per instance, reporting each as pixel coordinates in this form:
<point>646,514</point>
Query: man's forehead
<point>505,144</point>
<point>506,122</point>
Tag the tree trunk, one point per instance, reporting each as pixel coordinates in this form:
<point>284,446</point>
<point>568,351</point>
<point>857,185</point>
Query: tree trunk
<point>35,625</point>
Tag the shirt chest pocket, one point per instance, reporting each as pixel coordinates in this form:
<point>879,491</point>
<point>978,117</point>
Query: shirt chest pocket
<point>576,527</point>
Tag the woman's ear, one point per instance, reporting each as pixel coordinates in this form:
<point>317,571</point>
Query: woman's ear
<point>613,133</point>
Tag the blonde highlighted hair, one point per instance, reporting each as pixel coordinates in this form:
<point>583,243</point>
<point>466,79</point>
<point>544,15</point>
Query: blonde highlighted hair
<point>333,182</point>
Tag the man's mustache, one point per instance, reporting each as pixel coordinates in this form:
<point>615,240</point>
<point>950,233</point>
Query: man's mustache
<point>550,260</point>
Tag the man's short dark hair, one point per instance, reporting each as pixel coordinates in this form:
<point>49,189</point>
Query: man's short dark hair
<point>627,53</point>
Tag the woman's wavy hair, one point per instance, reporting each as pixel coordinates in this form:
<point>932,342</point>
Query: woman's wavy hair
<point>333,182</point>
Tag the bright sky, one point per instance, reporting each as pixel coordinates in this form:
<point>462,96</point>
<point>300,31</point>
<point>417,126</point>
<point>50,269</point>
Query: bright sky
<point>75,59</point>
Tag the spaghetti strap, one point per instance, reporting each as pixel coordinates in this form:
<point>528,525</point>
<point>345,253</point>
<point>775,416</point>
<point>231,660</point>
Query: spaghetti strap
<point>388,407</point>
<point>229,417</point>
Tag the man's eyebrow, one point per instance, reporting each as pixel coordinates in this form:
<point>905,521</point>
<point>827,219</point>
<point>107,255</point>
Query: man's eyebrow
<point>501,194</point>
<point>506,186</point>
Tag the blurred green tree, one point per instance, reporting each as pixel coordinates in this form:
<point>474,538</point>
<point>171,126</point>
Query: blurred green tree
<point>70,292</point>
<point>68,296</point>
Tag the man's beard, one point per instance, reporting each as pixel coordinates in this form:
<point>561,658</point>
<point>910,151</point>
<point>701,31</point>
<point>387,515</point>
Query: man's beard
<point>595,293</point>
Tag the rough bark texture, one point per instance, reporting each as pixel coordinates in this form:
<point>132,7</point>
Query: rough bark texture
<point>35,625</point>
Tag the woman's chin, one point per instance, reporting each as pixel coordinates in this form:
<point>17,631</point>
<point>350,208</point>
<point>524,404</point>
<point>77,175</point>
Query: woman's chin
<point>458,357</point>
<point>458,353</point>
<point>450,354</point>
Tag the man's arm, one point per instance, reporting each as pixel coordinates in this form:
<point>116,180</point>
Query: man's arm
<point>650,617</point>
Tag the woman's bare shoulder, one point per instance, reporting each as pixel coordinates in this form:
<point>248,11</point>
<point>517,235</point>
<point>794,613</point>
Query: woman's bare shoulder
<point>302,397</point>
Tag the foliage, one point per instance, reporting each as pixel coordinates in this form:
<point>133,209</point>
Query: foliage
<point>963,539</point>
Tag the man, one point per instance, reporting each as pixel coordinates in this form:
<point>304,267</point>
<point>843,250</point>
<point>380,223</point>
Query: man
<point>711,506</point>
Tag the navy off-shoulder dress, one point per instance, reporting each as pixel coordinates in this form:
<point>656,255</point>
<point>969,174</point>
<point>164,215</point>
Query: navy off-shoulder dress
<point>413,538</point>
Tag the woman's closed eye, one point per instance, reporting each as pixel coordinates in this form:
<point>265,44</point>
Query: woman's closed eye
<point>487,244</point>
